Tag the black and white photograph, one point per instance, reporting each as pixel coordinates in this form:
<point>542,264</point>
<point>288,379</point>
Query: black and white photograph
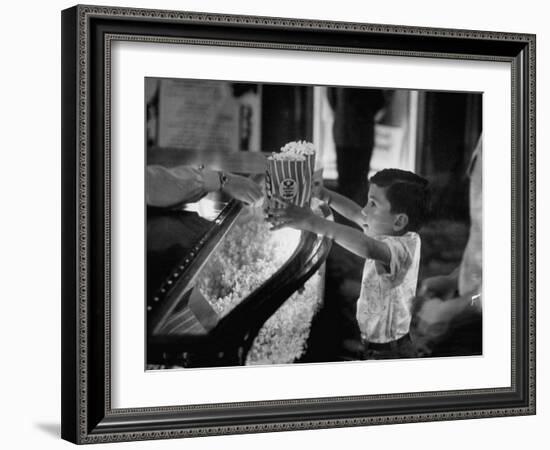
<point>279,221</point>
<point>295,224</point>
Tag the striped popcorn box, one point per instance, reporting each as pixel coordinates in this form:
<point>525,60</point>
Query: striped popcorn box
<point>290,174</point>
<point>310,162</point>
<point>289,179</point>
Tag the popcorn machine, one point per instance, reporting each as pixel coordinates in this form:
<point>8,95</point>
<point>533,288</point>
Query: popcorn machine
<point>222,289</point>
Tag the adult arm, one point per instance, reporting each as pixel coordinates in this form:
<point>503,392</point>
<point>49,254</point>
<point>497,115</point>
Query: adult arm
<point>169,187</point>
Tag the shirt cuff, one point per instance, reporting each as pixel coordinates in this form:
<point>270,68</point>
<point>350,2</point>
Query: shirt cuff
<point>211,180</point>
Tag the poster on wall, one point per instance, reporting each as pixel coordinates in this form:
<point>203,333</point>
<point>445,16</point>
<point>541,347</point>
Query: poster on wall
<point>204,115</point>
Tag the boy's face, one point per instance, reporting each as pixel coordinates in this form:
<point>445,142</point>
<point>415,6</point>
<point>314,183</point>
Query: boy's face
<point>379,220</point>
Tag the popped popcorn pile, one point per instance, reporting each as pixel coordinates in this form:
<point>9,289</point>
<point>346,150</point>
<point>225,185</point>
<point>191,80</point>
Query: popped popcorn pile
<point>294,151</point>
<point>249,255</point>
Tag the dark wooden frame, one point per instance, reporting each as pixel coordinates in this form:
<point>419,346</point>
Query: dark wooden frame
<point>87,32</point>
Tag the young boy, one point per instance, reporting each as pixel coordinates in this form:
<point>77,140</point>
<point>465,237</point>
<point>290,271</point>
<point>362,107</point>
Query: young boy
<point>396,207</point>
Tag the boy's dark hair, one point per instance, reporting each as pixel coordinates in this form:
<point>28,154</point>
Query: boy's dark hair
<point>407,193</point>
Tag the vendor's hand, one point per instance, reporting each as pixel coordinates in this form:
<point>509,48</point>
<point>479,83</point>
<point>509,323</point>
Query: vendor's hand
<point>243,189</point>
<point>443,286</point>
<point>290,216</point>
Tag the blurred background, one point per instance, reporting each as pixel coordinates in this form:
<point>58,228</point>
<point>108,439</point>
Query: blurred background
<point>232,126</point>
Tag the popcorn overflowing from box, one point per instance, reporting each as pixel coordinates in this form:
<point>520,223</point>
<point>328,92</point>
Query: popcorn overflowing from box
<point>289,174</point>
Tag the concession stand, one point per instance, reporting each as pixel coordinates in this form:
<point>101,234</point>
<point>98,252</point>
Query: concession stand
<point>222,288</point>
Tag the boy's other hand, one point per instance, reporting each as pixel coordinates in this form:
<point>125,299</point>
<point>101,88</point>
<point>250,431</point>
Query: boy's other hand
<point>323,194</point>
<point>319,191</point>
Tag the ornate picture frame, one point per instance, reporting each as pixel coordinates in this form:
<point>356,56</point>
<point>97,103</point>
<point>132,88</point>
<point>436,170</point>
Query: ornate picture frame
<point>88,33</point>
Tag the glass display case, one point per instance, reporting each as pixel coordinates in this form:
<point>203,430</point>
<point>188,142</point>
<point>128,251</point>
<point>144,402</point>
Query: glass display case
<point>223,289</point>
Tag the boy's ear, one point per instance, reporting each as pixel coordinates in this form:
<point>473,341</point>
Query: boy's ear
<point>401,221</point>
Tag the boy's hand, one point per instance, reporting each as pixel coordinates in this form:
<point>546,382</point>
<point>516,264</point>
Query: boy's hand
<point>321,193</point>
<point>291,216</point>
<point>318,190</point>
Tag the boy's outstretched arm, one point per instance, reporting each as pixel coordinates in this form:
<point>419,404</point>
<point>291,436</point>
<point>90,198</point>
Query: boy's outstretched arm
<point>350,238</point>
<point>342,205</point>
